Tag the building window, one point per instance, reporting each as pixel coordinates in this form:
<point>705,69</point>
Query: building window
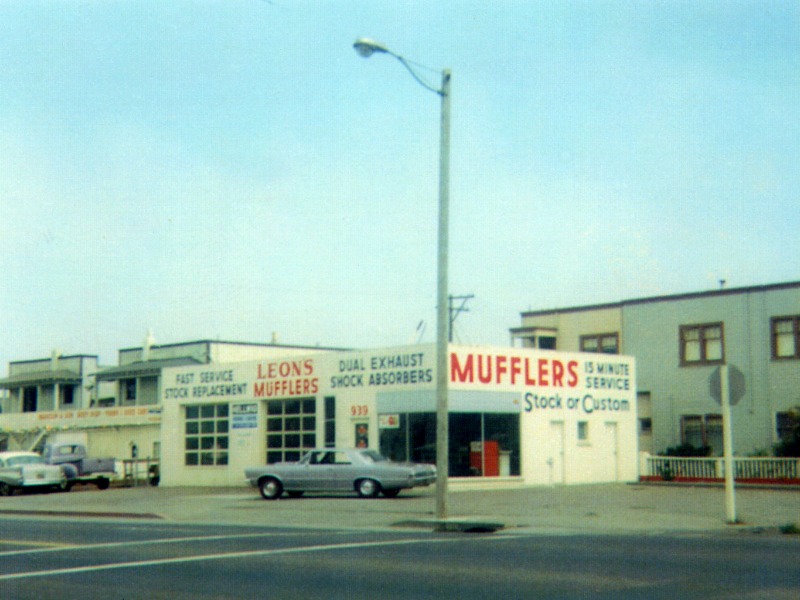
<point>538,337</point>
<point>606,343</point>
<point>291,429</point>
<point>702,432</point>
<point>330,421</point>
<point>646,425</point>
<point>547,342</point>
<point>583,431</point>
<point>67,395</point>
<point>786,337</point>
<point>702,344</point>
<point>206,433</point>
<point>128,391</point>
<point>30,397</point>
<point>785,425</point>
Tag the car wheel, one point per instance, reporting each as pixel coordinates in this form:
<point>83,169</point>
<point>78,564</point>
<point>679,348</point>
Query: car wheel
<point>103,483</point>
<point>390,493</point>
<point>367,488</point>
<point>5,489</point>
<point>64,486</point>
<point>270,488</point>
<point>295,494</point>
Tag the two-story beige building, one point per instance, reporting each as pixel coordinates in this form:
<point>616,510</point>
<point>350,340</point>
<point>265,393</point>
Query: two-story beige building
<point>116,410</point>
<point>678,341</point>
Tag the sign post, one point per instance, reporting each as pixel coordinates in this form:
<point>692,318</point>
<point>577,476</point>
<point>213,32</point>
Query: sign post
<point>727,443</point>
<point>721,383</point>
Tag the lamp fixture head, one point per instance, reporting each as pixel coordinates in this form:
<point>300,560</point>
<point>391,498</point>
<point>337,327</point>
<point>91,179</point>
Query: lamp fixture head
<point>367,47</point>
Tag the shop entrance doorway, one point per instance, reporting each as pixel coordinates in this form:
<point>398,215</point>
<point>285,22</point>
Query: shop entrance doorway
<point>481,444</point>
<point>556,459</point>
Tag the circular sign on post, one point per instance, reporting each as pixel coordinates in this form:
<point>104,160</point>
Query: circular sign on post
<point>736,385</point>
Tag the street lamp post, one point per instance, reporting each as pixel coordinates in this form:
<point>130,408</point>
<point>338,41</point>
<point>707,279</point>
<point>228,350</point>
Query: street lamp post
<point>366,48</point>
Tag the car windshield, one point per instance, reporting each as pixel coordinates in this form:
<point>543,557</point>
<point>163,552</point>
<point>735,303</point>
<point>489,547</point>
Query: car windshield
<point>373,456</point>
<point>16,461</point>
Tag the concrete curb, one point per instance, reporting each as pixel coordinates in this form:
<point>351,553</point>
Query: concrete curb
<point>455,525</point>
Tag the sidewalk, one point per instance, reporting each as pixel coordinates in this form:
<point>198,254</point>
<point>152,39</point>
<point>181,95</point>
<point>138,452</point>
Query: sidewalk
<point>601,509</point>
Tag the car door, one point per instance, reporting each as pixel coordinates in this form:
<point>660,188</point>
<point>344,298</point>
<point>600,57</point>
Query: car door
<point>344,472</point>
<point>318,472</point>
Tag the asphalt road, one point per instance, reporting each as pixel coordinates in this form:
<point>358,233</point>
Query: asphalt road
<point>130,559</point>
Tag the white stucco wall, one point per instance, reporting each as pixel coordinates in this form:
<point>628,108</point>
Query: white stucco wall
<point>557,391</point>
<point>553,392</point>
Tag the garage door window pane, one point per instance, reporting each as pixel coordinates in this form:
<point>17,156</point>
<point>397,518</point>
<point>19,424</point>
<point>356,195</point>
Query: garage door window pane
<point>291,426</point>
<point>210,448</point>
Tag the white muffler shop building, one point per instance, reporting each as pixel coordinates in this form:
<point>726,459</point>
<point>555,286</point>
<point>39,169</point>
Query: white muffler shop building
<point>532,416</point>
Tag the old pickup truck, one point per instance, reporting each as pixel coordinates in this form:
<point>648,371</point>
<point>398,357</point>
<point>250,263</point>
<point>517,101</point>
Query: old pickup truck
<point>77,467</point>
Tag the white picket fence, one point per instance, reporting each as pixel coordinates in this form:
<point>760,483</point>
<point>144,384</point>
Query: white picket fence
<point>755,470</point>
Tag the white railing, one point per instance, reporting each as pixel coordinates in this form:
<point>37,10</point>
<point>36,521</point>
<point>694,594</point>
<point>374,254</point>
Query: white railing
<point>772,470</point>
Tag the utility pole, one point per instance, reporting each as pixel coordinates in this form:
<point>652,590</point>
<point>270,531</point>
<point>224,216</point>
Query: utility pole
<point>456,310</point>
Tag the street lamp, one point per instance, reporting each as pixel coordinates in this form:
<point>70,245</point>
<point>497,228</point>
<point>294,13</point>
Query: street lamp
<point>366,48</point>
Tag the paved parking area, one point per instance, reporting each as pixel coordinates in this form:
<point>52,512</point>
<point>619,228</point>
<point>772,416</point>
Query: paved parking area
<point>608,508</point>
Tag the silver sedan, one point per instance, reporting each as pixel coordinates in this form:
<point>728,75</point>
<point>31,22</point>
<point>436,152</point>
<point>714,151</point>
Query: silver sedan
<point>364,471</point>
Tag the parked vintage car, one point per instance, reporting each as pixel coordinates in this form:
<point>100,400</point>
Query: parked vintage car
<point>364,471</point>
<point>28,471</point>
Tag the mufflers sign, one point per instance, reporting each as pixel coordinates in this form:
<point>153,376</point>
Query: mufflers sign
<point>551,382</point>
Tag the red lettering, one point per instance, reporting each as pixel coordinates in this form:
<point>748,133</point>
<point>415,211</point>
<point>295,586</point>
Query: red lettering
<point>285,369</point>
<point>501,367</point>
<point>484,377</point>
<point>572,369</point>
<point>529,380</point>
<point>459,374</point>
<point>543,372</point>
<point>516,369</point>
<point>558,373</point>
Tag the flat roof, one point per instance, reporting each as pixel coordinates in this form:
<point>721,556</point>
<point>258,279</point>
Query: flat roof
<point>60,376</point>
<point>50,359</point>
<point>143,368</point>
<point>667,298</point>
<point>229,343</point>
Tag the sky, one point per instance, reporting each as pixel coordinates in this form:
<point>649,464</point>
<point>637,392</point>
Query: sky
<point>233,170</point>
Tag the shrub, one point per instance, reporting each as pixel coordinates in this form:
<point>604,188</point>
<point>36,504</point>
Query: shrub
<point>790,529</point>
<point>687,451</point>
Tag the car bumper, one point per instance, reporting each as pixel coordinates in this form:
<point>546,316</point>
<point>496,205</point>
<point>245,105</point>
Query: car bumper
<point>41,483</point>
